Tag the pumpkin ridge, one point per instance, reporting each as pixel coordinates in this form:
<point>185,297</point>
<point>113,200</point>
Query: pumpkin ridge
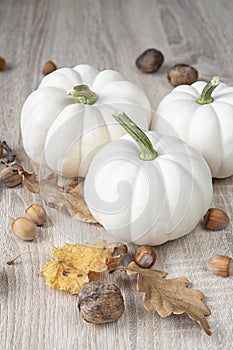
<point>220,136</point>
<point>60,72</point>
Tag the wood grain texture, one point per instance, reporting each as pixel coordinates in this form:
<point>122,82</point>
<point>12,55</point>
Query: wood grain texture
<point>108,34</point>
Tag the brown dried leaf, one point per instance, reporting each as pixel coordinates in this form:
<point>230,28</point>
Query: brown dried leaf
<point>6,153</point>
<point>30,182</point>
<point>168,296</point>
<point>69,197</point>
<point>76,264</point>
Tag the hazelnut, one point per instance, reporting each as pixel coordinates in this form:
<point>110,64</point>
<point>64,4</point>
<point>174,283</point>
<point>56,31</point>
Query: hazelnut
<point>145,257</point>
<point>219,265</point>
<point>215,219</point>
<point>36,213</point>
<point>48,67</point>
<point>181,74</point>
<point>11,175</point>
<point>24,229</point>
<point>2,63</point>
<point>100,302</point>
<point>150,61</point>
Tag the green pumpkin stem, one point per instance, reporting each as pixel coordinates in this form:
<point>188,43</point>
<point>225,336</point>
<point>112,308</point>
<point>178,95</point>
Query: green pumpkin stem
<point>147,150</point>
<point>205,96</point>
<point>83,95</point>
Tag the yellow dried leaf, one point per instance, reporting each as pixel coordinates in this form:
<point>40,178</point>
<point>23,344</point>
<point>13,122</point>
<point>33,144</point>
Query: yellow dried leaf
<point>75,264</point>
<point>168,296</point>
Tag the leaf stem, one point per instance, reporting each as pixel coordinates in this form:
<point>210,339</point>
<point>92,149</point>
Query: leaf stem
<point>11,262</point>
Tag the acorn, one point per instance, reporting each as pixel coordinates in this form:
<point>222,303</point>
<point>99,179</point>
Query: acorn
<point>145,257</point>
<point>216,219</point>
<point>219,265</point>
<point>24,229</point>
<point>100,302</point>
<point>37,214</point>
<point>49,67</point>
<point>11,176</point>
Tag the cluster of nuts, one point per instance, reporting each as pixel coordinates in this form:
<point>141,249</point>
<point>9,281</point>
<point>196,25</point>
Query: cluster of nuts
<point>151,60</point>
<point>100,302</point>
<point>217,219</point>
<point>49,66</point>
<point>25,227</point>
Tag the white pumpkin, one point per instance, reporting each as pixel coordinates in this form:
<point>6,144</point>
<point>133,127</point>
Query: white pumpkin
<point>69,117</point>
<point>152,198</point>
<point>202,116</point>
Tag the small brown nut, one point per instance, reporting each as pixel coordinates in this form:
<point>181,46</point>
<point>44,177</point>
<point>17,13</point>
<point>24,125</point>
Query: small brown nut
<point>1,151</point>
<point>215,219</point>
<point>150,61</point>
<point>219,265</point>
<point>182,74</point>
<point>11,175</point>
<point>145,257</point>
<point>48,67</point>
<point>100,302</point>
<point>2,63</point>
<point>36,213</point>
<point>24,229</point>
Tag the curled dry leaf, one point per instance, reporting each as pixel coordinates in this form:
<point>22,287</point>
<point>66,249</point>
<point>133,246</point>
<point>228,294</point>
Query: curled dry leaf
<point>6,153</point>
<point>77,264</point>
<point>69,197</point>
<point>168,296</point>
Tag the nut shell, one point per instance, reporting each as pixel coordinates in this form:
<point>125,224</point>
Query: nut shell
<point>219,265</point>
<point>216,219</point>
<point>2,63</point>
<point>182,74</point>
<point>145,257</point>
<point>150,61</point>
<point>48,67</point>
<point>24,229</point>
<point>10,176</point>
<point>36,213</point>
<point>100,303</point>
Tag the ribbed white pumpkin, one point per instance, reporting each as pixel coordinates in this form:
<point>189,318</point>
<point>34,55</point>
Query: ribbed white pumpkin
<point>148,201</point>
<point>207,127</point>
<point>67,133</point>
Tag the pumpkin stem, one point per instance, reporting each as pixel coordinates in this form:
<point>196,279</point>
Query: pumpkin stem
<point>147,150</point>
<point>83,95</point>
<point>205,96</point>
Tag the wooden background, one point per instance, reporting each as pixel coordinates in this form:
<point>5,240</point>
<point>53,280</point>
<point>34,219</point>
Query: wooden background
<point>108,34</point>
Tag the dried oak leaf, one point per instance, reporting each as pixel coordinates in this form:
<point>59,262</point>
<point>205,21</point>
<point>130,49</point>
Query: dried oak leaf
<point>77,264</point>
<point>168,296</point>
<point>69,197</point>
<point>30,182</point>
